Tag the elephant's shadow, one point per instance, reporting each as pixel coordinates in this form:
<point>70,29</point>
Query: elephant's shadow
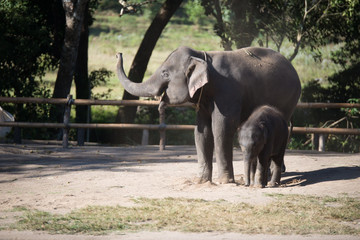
<point>321,175</point>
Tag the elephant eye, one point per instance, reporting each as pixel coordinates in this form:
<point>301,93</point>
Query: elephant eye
<point>165,74</point>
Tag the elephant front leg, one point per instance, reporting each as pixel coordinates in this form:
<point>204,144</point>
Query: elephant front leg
<point>249,170</point>
<point>253,165</point>
<point>261,175</point>
<point>224,131</point>
<point>204,142</point>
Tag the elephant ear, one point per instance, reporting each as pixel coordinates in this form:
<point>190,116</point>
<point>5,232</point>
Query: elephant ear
<point>197,74</point>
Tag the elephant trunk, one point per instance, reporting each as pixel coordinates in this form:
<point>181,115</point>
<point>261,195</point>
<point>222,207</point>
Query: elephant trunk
<point>152,87</point>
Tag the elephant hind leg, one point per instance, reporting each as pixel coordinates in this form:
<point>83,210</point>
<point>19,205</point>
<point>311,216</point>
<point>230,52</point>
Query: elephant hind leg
<point>276,164</point>
<point>249,170</point>
<point>247,164</point>
<point>261,175</point>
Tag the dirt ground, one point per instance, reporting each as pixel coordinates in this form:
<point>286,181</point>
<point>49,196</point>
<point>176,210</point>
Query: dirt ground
<point>47,177</point>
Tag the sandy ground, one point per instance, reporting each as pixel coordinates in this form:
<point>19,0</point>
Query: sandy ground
<point>49,178</point>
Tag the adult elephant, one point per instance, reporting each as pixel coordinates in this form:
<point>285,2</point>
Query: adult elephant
<point>226,86</point>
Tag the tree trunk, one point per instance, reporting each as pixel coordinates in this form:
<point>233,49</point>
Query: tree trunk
<point>81,71</point>
<point>244,28</point>
<point>58,17</point>
<point>141,60</point>
<point>74,14</point>
<point>220,30</point>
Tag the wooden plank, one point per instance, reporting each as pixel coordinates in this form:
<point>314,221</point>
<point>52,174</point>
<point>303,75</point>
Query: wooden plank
<point>328,105</point>
<point>345,131</point>
<point>18,100</point>
<point>33,100</point>
<point>147,102</point>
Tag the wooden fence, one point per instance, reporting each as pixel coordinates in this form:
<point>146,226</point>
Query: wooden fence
<point>162,126</point>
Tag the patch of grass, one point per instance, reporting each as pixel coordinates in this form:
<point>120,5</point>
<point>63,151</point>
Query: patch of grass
<point>287,214</point>
<point>104,114</point>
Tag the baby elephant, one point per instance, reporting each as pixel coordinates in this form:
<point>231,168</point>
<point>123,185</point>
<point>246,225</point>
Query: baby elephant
<point>263,137</point>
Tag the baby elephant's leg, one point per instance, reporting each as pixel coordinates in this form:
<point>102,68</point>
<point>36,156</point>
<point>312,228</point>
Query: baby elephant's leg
<point>253,171</point>
<point>276,163</point>
<point>249,170</point>
<point>261,175</point>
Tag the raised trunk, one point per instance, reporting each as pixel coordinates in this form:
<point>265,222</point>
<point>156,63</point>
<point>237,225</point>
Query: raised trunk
<point>126,114</point>
<point>151,87</point>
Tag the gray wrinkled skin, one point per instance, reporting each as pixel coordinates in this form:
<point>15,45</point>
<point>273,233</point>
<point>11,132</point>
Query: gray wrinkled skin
<point>233,84</point>
<point>263,138</point>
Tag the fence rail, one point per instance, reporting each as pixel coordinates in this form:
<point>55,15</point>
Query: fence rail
<point>99,125</point>
<point>62,101</point>
<point>328,105</point>
<point>346,131</point>
<point>162,127</point>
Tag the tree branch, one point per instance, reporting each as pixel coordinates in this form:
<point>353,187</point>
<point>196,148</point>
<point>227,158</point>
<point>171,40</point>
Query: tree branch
<point>305,29</point>
<point>132,7</point>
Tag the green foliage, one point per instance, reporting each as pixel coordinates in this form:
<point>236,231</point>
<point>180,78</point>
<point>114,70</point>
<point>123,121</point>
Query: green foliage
<point>98,78</point>
<point>179,115</point>
<point>352,112</point>
<point>111,33</point>
<point>195,12</point>
<point>25,41</point>
<point>305,24</point>
<point>343,87</point>
<point>343,26</point>
<point>109,5</point>
<point>27,52</point>
<point>235,21</point>
<point>28,48</point>
<point>298,142</point>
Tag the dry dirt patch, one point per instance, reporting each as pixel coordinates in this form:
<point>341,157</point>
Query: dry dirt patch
<point>49,178</point>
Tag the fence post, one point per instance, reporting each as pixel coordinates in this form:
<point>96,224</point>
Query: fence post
<point>145,137</point>
<point>315,141</point>
<point>17,135</point>
<point>162,130</point>
<point>322,142</point>
<point>81,136</point>
<point>67,111</point>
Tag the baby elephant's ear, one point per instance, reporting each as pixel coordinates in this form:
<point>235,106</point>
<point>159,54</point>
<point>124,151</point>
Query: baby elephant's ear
<point>197,73</point>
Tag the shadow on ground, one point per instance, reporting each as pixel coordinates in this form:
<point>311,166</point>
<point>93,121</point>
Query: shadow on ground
<point>324,175</point>
<point>32,161</point>
<point>41,161</point>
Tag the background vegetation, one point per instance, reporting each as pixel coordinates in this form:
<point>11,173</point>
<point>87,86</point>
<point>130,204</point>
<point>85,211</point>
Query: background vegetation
<point>118,34</point>
<point>327,60</point>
